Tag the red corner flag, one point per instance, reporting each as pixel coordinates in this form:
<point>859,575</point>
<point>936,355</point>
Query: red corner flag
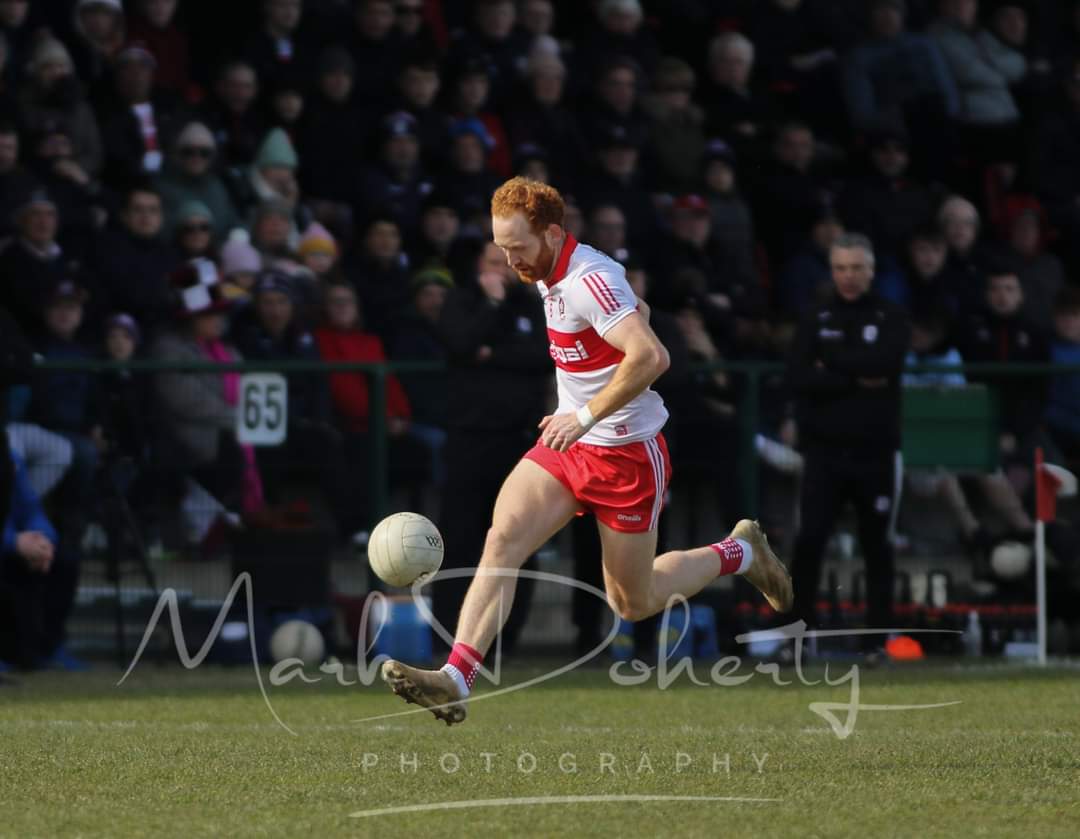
<point>1047,485</point>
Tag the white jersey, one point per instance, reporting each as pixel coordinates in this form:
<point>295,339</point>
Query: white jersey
<point>586,295</point>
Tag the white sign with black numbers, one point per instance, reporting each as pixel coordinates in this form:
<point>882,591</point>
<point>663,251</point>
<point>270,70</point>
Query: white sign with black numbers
<point>263,413</point>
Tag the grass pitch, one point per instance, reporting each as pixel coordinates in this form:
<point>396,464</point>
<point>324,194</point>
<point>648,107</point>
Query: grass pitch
<point>178,753</point>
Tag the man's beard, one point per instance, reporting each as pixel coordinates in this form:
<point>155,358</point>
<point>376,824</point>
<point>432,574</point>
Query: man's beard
<point>541,269</point>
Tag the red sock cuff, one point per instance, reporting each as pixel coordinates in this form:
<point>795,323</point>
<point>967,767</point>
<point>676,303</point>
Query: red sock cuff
<point>466,659</point>
<point>731,556</point>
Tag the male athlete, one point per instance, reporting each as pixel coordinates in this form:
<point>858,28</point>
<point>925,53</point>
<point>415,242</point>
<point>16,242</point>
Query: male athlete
<point>601,452</point>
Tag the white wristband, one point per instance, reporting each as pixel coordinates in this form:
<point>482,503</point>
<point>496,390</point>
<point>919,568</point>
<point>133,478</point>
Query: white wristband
<point>585,418</point>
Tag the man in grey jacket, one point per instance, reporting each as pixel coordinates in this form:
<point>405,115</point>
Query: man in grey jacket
<point>982,66</point>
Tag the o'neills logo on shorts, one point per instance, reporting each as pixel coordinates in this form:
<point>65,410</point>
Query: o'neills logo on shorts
<point>565,355</point>
<point>624,517</point>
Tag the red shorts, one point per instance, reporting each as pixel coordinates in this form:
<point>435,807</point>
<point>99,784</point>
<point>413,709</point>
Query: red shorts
<point>623,486</point>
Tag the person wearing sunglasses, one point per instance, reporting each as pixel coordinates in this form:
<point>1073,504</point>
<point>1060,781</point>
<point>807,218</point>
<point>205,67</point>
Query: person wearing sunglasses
<point>191,175</point>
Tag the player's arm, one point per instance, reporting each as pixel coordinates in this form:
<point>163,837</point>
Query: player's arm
<point>644,360</point>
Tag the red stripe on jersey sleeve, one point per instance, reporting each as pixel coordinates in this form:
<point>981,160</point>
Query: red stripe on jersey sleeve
<point>604,304</point>
<point>605,289</point>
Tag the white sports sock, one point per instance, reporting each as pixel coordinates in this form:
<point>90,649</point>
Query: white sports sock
<point>747,556</point>
<point>458,677</point>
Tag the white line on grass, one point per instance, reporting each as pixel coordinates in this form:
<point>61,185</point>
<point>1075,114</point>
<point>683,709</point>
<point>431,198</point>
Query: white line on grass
<point>549,799</point>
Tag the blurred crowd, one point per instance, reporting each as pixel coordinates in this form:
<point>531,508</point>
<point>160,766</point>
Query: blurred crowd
<point>309,179</point>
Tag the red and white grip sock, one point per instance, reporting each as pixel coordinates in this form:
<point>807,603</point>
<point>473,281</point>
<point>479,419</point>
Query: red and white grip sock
<point>462,665</point>
<point>736,556</point>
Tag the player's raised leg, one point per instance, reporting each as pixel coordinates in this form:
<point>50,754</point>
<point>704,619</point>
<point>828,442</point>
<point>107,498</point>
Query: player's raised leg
<point>532,506</point>
<point>639,584</point>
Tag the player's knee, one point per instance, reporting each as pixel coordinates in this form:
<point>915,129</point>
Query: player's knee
<point>630,608</point>
<point>500,547</point>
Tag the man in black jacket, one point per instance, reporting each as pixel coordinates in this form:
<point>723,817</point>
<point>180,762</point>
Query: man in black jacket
<point>845,369</point>
<point>497,348</point>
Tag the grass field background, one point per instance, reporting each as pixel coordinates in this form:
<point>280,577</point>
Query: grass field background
<point>178,753</point>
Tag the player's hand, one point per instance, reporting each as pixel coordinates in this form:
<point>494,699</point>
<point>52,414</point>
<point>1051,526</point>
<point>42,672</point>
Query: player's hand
<point>560,431</point>
<point>36,549</point>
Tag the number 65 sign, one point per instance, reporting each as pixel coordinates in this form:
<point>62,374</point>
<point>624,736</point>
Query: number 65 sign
<point>263,414</point>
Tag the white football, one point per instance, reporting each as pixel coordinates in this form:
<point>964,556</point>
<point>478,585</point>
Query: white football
<point>1011,560</point>
<point>298,639</point>
<point>404,548</point>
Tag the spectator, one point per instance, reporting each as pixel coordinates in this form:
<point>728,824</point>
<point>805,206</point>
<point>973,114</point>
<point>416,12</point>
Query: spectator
<point>440,224</point>
<point>376,51</point>
<point>33,264</point>
<point>607,232</point>
<point>930,346</point>
<point>618,180</point>
<point>493,36</point>
<point>281,51</point>
<point>1000,331</point>
<point>677,133</point>
<point>37,582</point>
<point>731,222</point>
<point>154,24</point>
<point>68,402</point>
<point>231,114</point>
<point>790,192</point>
<point>52,93</point>
<point>731,303</point>
<point>15,180</point>
<point>397,182</point>
<point>615,106</point>
<point>983,68</point>
<point>806,280</point>
<point>895,76</point>
<point>100,31</point>
<point>886,204</point>
<point>275,234</point>
<point>335,128</point>
<point>418,85</point>
<point>620,33</point>
<point>468,177</point>
<point>132,263</point>
<point>537,17</point>
<point>1041,273</point>
<point>19,25</point>
<point>380,274</point>
<point>240,264</point>
<point>287,104</point>
<point>499,371</point>
<point>930,285</point>
<point>417,36</point>
<point>271,330</point>
<point>418,339</point>
<point>1055,163</point>
<point>846,376</point>
<point>471,94</point>
<point>1063,403</point>
<point>77,197</point>
<point>343,338</point>
<point>796,43</point>
<point>189,175</point>
<point>734,111</point>
<point>532,161</point>
<point>319,254</point>
<point>272,175</point>
<point>542,118</point>
<point>194,232</point>
<point>199,409</point>
<point>959,222</point>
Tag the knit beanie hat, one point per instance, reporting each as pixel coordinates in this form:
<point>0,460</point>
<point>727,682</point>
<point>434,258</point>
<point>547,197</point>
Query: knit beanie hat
<point>192,209</point>
<point>239,256</point>
<point>317,239</point>
<point>276,150</point>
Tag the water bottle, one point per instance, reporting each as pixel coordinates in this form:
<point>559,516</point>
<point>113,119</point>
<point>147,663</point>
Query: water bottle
<point>703,619</point>
<point>622,646</point>
<point>973,638</point>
